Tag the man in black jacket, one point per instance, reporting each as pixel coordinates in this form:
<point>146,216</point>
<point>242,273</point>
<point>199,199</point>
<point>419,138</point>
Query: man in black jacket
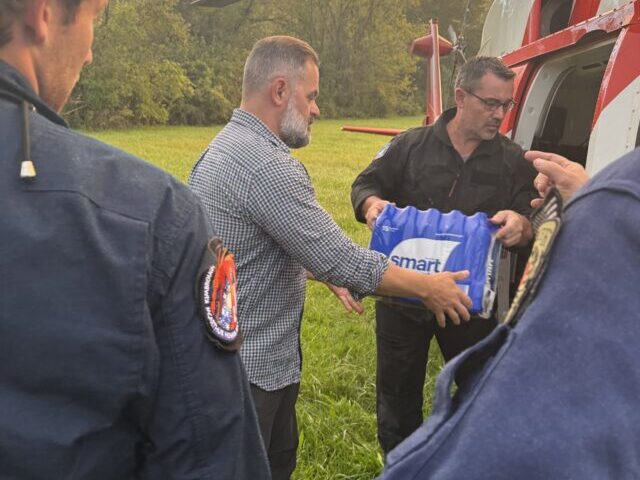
<point>459,163</point>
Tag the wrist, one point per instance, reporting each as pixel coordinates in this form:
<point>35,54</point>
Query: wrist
<point>422,286</point>
<point>527,232</point>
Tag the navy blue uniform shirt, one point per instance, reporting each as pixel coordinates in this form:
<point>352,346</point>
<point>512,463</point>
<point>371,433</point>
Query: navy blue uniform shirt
<point>559,396</point>
<point>105,371</point>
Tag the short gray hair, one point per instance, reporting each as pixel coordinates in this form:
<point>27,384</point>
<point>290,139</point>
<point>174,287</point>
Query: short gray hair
<point>475,68</point>
<point>273,56</point>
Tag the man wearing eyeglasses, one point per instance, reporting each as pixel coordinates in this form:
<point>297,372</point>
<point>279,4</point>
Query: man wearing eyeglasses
<point>459,163</point>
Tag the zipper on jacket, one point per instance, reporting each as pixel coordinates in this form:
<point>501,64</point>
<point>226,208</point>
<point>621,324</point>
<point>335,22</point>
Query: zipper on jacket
<point>453,186</point>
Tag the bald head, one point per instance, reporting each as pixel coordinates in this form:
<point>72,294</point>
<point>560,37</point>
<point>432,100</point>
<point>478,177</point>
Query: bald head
<point>272,57</point>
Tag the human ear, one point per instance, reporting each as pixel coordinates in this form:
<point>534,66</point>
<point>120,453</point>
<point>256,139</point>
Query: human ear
<point>38,17</point>
<point>279,91</point>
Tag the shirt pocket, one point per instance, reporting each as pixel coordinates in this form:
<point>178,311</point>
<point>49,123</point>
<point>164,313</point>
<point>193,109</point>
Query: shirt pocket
<point>487,191</point>
<point>433,187</point>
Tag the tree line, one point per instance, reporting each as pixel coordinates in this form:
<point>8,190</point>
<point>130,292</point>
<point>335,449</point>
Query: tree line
<point>160,62</point>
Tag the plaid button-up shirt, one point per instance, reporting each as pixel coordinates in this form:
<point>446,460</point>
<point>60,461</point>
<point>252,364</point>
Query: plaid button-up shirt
<point>262,205</point>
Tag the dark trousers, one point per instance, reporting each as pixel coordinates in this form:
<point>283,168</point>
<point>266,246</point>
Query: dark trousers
<point>279,428</point>
<point>403,334</point>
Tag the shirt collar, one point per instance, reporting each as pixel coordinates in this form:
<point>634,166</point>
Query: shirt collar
<point>253,123</point>
<point>486,147</point>
<point>14,82</point>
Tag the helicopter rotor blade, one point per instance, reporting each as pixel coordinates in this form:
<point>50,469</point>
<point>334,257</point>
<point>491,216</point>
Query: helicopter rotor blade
<point>452,77</point>
<point>462,55</point>
<point>453,36</point>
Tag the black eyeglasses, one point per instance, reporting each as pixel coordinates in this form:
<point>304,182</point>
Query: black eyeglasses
<point>493,104</point>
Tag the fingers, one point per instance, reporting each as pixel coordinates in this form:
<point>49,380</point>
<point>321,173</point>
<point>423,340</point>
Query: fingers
<point>460,311</point>
<point>462,302</point>
<point>549,169</point>
<point>533,155</point>
<point>444,297</point>
<point>512,227</point>
<point>349,303</point>
<point>499,218</point>
<point>458,308</point>
<point>466,305</point>
<point>503,218</point>
<point>457,315</point>
<point>373,213</point>
<point>542,183</point>
<point>355,306</point>
<point>453,316</point>
<point>371,221</point>
<point>460,275</point>
<point>536,202</point>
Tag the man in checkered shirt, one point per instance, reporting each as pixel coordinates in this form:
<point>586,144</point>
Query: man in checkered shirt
<point>261,203</point>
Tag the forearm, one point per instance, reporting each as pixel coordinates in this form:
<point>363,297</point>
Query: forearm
<point>403,282</point>
<point>439,291</point>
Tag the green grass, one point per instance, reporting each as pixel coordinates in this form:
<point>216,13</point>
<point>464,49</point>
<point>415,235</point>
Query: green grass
<point>336,408</point>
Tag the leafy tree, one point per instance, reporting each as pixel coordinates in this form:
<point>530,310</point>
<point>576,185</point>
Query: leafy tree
<point>162,61</point>
<point>137,74</point>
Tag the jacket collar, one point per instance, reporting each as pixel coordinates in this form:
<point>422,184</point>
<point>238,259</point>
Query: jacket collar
<point>486,147</point>
<point>15,83</point>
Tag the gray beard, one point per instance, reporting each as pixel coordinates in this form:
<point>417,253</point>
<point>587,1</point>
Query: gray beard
<point>294,128</point>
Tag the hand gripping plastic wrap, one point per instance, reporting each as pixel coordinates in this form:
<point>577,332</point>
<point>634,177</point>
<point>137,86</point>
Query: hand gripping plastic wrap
<point>429,241</point>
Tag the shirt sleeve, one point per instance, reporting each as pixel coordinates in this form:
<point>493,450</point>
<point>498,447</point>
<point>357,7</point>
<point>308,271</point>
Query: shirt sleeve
<point>201,421</point>
<point>282,201</point>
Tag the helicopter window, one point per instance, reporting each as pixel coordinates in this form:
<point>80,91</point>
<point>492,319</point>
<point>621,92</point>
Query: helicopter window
<point>554,16</point>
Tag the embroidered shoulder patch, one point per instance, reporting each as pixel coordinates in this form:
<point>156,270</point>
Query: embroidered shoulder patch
<point>382,151</point>
<point>546,221</point>
<point>217,288</point>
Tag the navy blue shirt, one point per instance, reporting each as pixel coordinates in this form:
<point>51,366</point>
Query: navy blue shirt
<point>559,396</point>
<point>105,371</point>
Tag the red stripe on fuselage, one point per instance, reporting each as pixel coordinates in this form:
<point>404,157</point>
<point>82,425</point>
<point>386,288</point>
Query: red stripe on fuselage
<point>622,69</point>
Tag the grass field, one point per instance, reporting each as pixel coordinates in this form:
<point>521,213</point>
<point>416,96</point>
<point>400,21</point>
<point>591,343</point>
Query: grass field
<point>336,408</point>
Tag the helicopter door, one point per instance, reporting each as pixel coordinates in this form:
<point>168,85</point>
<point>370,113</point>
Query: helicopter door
<point>557,111</point>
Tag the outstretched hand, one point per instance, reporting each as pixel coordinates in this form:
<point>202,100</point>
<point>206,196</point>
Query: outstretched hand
<point>444,297</point>
<point>343,294</point>
<point>556,171</point>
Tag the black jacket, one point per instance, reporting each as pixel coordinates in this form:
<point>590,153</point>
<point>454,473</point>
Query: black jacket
<point>105,369</point>
<point>420,167</point>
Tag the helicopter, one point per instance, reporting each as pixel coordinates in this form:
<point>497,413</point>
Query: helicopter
<point>577,84</point>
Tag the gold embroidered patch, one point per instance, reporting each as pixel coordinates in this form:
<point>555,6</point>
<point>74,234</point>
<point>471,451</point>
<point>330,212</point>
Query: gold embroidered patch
<point>546,221</point>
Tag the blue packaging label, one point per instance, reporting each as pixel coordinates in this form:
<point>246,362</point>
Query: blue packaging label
<point>429,241</point>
